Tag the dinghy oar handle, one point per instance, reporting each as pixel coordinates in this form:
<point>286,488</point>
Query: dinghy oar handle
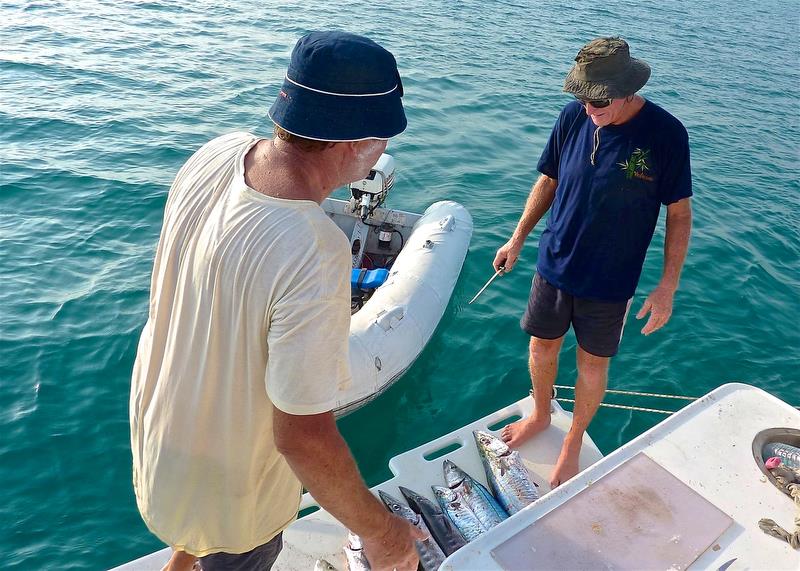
<point>499,272</point>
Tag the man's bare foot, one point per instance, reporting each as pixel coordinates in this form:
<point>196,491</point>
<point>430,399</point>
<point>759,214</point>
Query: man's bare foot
<point>567,465</point>
<point>524,429</point>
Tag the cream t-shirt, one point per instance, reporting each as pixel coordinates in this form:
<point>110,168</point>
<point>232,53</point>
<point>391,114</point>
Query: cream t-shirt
<point>249,308</point>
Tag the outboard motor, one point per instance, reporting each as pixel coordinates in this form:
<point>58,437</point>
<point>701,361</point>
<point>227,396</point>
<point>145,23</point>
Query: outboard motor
<point>370,192</point>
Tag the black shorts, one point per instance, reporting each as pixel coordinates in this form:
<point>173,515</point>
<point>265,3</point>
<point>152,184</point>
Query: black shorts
<point>598,325</point>
<point>259,559</point>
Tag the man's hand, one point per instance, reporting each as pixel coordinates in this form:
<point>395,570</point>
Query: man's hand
<point>320,459</point>
<point>507,255</point>
<point>393,548</point>
<point>659,305</point>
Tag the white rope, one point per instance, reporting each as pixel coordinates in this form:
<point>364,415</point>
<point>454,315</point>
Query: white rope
<point>639,408</point>
<point>634,393</point>
<point>637,394</point>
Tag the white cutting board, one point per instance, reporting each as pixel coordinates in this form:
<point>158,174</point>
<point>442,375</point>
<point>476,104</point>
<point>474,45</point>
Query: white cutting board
<point>637,517</point>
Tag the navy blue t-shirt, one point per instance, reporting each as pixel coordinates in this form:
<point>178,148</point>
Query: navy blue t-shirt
<point>603,216</point>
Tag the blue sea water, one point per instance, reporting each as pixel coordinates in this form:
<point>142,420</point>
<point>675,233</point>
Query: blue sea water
<point>102,101</point>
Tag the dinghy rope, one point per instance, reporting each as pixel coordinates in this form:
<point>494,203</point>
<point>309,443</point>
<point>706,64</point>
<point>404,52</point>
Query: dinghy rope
<point>625,407</point>
<point>634,393</point>
<point>628,393</point>
<point>789,483</point>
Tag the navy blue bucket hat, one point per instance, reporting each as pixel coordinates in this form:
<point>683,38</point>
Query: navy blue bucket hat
<point>340,87</point>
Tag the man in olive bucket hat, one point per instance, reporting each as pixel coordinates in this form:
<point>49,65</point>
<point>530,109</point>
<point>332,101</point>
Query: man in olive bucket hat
<point>613,158</point>
<point>246,341</point>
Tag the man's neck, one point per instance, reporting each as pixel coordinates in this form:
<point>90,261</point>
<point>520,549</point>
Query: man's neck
<point>278,169</point>
<point>631,109</point>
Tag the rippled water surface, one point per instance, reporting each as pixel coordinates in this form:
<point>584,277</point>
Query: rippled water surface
<point>101,102</point>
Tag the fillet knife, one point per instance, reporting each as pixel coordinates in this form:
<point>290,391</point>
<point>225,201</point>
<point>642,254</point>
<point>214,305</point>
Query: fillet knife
<point>499,272</point>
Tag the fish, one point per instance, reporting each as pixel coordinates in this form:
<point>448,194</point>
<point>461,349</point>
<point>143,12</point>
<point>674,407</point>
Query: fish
<point>458,510</point>
<point>323,565</point>
<point>481,500</point>
<point>354,553</point>
<point>467,502</point>
<point>431,555</point>
<point>439,525</point>
<point>507,476</point>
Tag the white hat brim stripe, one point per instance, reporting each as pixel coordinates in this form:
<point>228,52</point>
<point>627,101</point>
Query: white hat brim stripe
<point>290,80</point>
<point>269,114</point>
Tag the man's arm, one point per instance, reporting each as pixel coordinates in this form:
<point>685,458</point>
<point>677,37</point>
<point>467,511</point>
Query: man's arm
<point>320,458</point>
<point>676,244</point>
<point>538,203</point>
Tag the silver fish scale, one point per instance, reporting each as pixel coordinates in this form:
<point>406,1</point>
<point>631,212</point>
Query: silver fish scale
<point>396,507</point>
<point>459,511</point>
<point>482,503</point>
<point>510,481</point>
<point>506,473</point>
<point>431,555</point>
<point>441,526</point>
<point>480,500</point>
<point>323,565</point>
<point>354,553</point>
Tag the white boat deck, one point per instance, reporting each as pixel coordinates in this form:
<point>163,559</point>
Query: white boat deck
<point>687,493</point>
<point>319,535</point>
<point>706,453</point>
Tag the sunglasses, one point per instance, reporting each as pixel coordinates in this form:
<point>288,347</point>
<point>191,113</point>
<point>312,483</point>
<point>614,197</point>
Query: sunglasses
<point>596,103</point>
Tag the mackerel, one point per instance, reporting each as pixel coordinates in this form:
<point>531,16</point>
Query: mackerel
<point>505,472</point>
<point>431,555</point>
<point>480,500</point>
<point>354,553</point>
<point>458,510</point>
<point>470,506</point>
<point>439,525</point>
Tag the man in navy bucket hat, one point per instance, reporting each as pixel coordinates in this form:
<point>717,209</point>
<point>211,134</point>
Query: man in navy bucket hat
<point>246,342</point>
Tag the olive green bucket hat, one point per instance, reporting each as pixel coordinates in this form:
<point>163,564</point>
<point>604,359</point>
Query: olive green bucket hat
<point>604,69</point>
